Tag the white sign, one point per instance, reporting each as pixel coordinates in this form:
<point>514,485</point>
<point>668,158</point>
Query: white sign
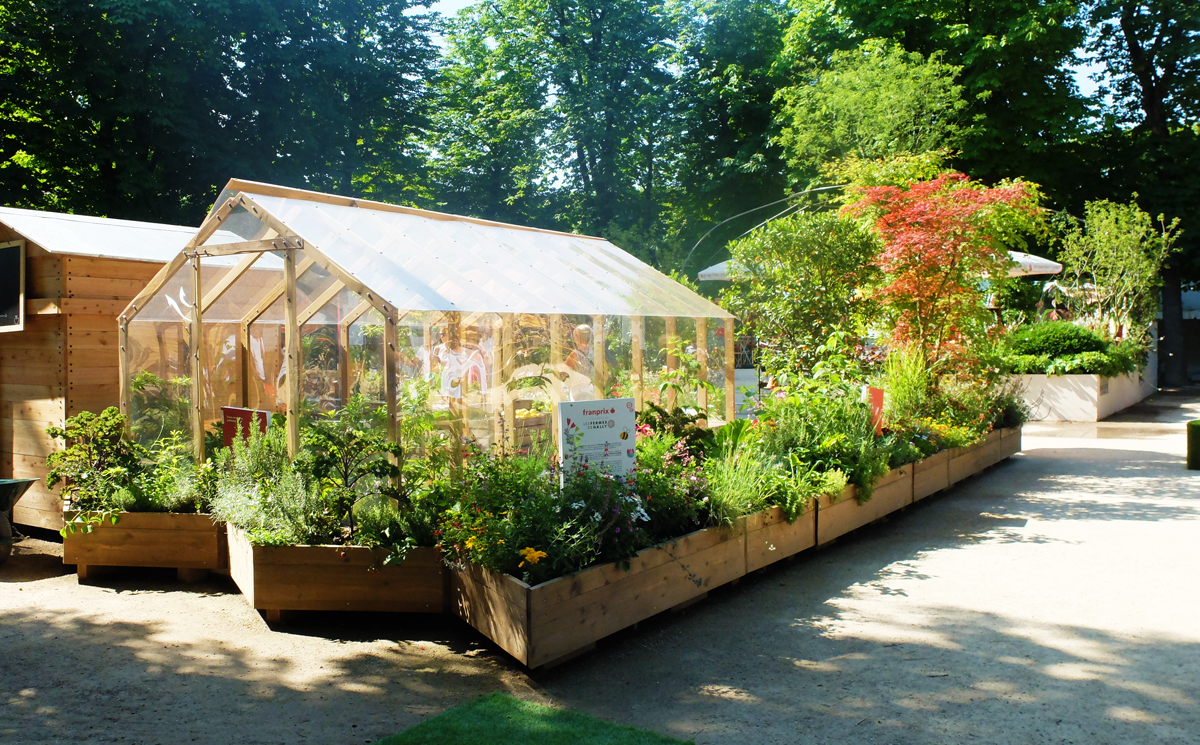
<point>599,433</point>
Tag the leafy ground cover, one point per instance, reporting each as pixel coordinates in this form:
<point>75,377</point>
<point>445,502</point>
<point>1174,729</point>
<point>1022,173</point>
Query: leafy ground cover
<point>499,718</point>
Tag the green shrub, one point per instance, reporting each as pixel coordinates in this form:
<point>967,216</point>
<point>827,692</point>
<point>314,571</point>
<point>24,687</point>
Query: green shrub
<point>1055,339</point>
<point>670,481</point>
<point>511,514</point>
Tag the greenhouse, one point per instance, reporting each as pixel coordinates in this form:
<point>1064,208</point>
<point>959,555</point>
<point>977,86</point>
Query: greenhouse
<point>364,298</point>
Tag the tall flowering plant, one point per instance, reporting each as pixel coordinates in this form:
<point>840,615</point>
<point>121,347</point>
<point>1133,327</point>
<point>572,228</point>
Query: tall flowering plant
<point>513,514</point>
<point>944,242</point>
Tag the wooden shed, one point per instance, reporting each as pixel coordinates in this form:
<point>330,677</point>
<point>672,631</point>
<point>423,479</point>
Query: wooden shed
<point>80,273</point>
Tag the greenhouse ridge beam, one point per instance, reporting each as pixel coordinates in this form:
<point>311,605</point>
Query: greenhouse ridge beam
<point>272,190</point>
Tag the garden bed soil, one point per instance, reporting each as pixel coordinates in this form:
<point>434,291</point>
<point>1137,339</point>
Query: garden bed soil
<point>276,579</point>
<point>837,516</point>
<point>552,622</point>
<point>192,544</point>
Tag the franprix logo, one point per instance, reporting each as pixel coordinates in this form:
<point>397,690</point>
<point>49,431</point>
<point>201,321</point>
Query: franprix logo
<point>599,412</point>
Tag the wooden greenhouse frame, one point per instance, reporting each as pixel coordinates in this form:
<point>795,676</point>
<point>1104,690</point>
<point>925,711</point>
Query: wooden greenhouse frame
<point>286,242</point>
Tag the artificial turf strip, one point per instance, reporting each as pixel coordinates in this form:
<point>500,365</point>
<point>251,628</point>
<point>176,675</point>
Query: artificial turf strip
<point>500,718</point>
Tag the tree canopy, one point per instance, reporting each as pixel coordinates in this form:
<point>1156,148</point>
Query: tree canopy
<point>672,128</point>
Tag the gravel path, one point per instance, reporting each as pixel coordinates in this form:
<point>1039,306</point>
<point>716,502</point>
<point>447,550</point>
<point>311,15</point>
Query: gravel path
<point>1052,599</point>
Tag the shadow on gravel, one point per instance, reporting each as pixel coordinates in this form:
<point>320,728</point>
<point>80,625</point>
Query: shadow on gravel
<point>56,666</point>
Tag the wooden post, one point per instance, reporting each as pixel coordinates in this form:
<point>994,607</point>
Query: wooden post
<point>244,358</point>
<point>508,337</point>
<point>197,367</point>
<point>730,410</point>
<point>390,350</point>
<point>556,361</point>
<point>292,343</point>
<point>600,355</point>
<point>344,363</point>
<point>637,341</point>
<point>702,359</point>
<point>123,372</point>
<point>497,375</point>
<point>672,359</point>
<point>427,340</point>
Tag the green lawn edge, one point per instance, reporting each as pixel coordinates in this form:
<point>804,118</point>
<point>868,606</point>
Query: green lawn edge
<point>499,718</point>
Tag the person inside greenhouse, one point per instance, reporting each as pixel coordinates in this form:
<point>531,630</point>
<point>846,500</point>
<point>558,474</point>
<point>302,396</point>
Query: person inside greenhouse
<point>580,362</point>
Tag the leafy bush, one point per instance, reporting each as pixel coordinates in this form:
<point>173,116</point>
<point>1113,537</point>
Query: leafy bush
<point>510,514</point>
<point>102,473</point>
<point>341,489</point>
<point>1061,348</point>
<point>671,482</point>
<point>1055,339</point>
<point>826,432</point>
<point>800,278</point>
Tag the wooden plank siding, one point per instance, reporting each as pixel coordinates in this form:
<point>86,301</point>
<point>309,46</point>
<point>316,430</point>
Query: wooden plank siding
<point>64,362</point>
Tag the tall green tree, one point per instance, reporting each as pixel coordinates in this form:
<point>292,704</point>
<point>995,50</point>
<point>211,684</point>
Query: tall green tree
<point>490,122</point>
<point>143,109</point>
<point>1015,57</point>
<point>873,102</point>
<point>728,71</point>
<point>1151,53</point>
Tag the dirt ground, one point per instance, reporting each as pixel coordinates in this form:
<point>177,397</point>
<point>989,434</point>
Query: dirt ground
<point>1053,599</point>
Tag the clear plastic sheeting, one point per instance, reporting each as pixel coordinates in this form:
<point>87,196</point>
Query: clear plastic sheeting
<point>417,262</point>
<point>491,325</point>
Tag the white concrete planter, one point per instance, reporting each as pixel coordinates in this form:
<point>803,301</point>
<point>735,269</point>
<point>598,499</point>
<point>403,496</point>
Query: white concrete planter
<point>1085,398</point>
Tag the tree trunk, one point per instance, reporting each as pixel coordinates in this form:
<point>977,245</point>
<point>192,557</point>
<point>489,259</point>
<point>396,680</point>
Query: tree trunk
<point>1171,355</point>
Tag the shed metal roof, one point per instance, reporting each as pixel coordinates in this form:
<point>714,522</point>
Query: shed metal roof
<point>84,235</point>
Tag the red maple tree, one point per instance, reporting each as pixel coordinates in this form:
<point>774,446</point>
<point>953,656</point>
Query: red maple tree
<point>942,240</point>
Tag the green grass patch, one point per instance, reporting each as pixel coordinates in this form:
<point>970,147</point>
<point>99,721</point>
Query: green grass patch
<point>500,718</point>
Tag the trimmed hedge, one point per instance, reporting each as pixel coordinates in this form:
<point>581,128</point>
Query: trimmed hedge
<point>1062,348</point>
<point>1055,339</point>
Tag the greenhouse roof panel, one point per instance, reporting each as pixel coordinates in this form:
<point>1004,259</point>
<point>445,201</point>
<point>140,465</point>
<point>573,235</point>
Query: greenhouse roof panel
<point>428,261</point>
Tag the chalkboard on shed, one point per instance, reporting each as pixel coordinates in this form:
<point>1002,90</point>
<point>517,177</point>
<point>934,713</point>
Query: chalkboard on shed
<point>12,286</point>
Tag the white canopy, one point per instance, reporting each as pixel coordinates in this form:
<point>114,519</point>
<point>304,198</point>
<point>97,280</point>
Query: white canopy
<point>1026,264</point>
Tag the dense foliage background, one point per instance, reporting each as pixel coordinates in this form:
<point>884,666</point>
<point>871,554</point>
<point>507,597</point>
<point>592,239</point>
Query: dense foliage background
<point>648,123</point>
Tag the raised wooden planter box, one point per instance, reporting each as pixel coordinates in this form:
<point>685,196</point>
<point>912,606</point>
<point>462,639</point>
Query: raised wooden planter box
<point>306,578</point>
<point>555,620</point>
<point>192,544</point>
<point>770,537</point>
<point>1010,442</point>
<point>839,515</point>
<point>931,475</point>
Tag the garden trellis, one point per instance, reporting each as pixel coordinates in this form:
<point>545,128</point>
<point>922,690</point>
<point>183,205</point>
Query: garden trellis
<point>291,301</point>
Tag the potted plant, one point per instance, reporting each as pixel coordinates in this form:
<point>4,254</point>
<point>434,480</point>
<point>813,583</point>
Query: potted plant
<point>127,505</point>
<point>347,524</point>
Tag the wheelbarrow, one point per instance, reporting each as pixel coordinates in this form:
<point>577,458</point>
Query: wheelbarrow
<point>11,490</point>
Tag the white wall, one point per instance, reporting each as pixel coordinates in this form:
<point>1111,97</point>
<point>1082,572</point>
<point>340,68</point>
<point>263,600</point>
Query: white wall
<point>1085,398</point>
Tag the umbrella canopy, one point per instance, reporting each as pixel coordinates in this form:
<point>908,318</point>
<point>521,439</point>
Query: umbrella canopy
<point>1026,264</point>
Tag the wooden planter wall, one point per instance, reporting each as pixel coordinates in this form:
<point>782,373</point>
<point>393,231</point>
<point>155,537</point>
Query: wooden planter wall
<point>192,544</point>
<point>275,579</point>
<point>556,620</point>
<point>62,363</point>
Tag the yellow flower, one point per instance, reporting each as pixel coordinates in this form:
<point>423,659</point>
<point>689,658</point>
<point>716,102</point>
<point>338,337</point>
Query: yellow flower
<point>471,543</point>
<point>531,555</point>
